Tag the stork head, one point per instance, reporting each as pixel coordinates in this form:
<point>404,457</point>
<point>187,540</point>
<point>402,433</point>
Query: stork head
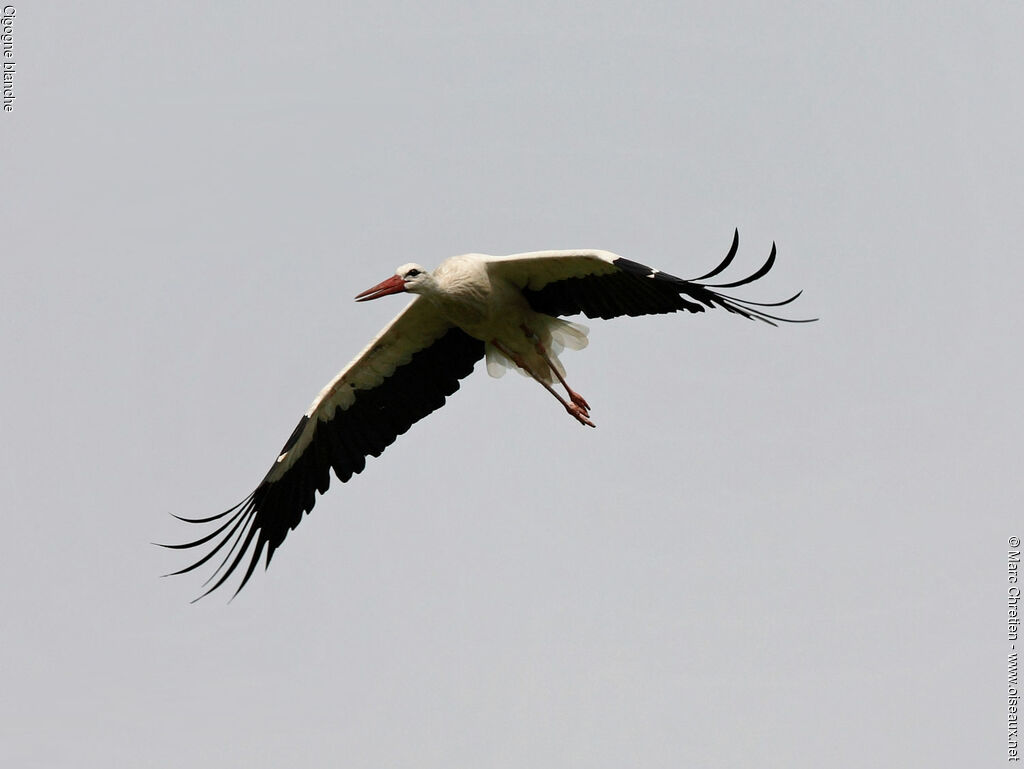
<point>408,277</point>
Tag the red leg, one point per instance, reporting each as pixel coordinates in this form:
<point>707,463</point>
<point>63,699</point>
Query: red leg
<point>574,396</point>
<point>578,412</point>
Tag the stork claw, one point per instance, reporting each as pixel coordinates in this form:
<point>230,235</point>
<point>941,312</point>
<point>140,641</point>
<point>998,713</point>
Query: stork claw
<point>578,399</point>
<point>580,414</point>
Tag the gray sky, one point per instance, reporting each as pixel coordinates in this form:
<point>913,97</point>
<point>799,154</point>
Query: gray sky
<point>781,547</point>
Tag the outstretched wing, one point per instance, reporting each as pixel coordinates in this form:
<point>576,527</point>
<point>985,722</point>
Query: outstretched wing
<point>401,376</point>
<point>601,284</point>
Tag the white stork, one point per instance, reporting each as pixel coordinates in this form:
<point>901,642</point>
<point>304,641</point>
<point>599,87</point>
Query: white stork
<point>471,306</point>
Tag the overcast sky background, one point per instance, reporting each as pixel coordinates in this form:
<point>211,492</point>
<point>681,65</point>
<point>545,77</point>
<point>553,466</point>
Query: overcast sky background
<point>781,547</point>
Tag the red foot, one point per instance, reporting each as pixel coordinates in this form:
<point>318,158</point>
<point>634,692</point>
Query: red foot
<point>576,398</point>
<point>581,416</point>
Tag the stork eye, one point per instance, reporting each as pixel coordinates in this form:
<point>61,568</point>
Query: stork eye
<point>412,273</point>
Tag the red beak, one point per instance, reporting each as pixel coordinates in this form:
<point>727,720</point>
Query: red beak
<point>393,285</point>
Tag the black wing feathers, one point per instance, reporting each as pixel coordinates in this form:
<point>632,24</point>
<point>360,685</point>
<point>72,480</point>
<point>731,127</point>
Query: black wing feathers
<point>366,428</point>
<point>751,278</point>
<point>637,289</point>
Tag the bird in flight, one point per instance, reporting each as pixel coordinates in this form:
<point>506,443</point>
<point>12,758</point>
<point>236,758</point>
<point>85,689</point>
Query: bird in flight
<point>502,308</point>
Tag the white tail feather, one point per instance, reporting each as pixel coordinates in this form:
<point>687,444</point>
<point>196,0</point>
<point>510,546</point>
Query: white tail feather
<point>569,334</point>
<point>558,335</point>
<point>497,364</point>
